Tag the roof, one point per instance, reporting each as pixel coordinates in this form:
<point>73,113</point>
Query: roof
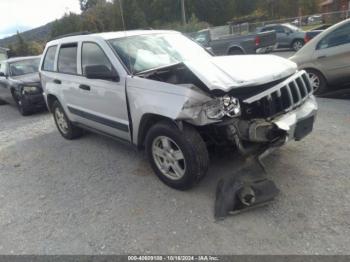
<point>17,59</point>
<point>111,35</point>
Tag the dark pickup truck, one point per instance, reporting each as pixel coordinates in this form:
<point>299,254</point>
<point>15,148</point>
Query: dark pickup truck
<point>236,44</point>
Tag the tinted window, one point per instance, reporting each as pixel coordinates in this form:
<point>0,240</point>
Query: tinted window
<point>279,29</point>
<point>341,36</point>
<point>49,61</point>
<point>92,54</point>
<point>67,59</point>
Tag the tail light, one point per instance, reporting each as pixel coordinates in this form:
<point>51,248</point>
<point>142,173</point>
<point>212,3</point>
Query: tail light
<point>307,38</point>
<point>257,41</point>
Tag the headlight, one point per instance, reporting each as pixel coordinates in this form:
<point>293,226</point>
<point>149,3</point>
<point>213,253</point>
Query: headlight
<point>30,89</point>
<point>221,107</point>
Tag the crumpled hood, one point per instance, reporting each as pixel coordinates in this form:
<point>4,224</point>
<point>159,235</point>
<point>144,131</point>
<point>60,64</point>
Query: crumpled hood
<point>225,73</point>
<point>27,79</point>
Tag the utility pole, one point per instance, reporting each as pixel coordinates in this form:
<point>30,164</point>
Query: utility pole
<point>183,12</point>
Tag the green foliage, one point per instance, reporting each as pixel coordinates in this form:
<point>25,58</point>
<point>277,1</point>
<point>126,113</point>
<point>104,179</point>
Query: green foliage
<point>25,48</point>
<point>103,15</point>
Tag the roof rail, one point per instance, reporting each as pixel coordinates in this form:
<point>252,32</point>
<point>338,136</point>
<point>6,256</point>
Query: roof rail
<point>72,34</point>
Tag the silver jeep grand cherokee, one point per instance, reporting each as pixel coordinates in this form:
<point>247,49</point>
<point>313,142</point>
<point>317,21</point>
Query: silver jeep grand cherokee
<point>162,91</point>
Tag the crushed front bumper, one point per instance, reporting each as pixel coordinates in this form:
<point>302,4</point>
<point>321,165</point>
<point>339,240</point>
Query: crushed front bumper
<point>263,136</point>
<point>298,123</point>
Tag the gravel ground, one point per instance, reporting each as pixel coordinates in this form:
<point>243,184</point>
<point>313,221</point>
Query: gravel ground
<point>97,196</point>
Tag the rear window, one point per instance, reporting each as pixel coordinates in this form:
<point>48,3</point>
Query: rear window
<point>49,61</point>
<point>67,59</point>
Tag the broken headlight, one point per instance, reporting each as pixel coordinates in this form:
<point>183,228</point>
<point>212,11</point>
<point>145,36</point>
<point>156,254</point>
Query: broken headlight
<point>30,90</point>
<point>221,107</point>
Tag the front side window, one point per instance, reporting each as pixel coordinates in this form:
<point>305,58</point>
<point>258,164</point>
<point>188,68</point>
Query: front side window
<point>67,59</point>
<point>49,60</point>
<point>28,66</point>
<point>92,55</point>
<point>147,52</point>
<point>340,36</point>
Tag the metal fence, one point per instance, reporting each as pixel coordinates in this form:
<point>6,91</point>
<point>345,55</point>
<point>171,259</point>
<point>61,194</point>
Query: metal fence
<point>305,22</point>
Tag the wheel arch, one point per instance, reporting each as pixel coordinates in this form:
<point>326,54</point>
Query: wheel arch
<point>50,100</point>
<point>317,70</point>
<point>236,47</point>
<point>147,121</point>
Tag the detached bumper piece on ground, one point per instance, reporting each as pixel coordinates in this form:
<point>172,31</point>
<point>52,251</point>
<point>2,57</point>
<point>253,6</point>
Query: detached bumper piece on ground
<point>246,191</point>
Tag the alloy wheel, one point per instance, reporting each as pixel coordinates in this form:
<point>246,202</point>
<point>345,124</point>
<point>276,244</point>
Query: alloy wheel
<point>315,81</point>
<point>169,158</point>
<point>61,120</point>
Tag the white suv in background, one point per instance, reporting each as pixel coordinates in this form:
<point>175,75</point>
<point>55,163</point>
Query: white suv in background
<point>162,91</point>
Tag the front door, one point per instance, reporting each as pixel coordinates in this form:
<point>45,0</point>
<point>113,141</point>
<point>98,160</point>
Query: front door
<point>99,104</point>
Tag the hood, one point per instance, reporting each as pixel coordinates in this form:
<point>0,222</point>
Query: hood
<point>226,73</point>
<point>27,79</point>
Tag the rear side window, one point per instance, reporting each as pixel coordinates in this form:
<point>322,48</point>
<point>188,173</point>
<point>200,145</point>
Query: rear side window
<point>49,61</point>
<point>92,54</point>
<point>67,59</point>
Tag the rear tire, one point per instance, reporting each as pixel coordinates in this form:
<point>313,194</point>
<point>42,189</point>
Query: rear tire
<point>179,158</point>
<point>318,81</point>
<point>66,128</point>
<point>235,51</point>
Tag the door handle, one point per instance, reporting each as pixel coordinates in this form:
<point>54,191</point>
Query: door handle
<point>322,57</point>
<point>57,81</point>
<point>85,87</point>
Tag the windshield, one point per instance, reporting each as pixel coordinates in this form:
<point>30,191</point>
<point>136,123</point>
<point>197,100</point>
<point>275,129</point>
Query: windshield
<point>24,67</point>
<point>146,52</point>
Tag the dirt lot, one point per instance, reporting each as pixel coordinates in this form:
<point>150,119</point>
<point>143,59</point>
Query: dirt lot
<point>95,195</point>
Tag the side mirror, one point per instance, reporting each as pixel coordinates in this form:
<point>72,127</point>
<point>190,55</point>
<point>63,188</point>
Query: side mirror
<point>101,72</point>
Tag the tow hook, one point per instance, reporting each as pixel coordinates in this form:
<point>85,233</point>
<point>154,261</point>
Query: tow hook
<point>250,189</point>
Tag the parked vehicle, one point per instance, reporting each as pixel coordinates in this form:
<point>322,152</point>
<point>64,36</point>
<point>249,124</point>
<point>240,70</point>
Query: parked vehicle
<point>236,44</point>
<point>315,20</point>
<point>314,32</point>
<point>288,36</point>
<point>20,84</point>
<point>162,91</point>
<point>326,58</point>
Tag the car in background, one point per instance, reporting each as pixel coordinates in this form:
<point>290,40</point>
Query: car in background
<point>315,20</point>
<point>20,84</point>
<point>326,58</point>
<point>314,32</point>
<point>288,35</point>
<point>236,44</point>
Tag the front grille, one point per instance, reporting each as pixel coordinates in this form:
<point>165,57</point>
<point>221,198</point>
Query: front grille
<point>281,98</point>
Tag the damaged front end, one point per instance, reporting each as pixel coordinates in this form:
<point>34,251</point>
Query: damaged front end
<point>259,122</point>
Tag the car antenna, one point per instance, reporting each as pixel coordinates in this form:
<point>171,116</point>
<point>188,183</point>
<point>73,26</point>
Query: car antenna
<point>126,36</point>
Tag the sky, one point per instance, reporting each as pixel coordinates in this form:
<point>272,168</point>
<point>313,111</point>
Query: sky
<point>23,15</point>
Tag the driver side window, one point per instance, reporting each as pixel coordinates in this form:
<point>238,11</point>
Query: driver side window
<point>92,55</point>
<point>340,36</point>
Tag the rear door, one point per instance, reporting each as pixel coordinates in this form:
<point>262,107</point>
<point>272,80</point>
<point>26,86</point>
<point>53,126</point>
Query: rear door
<point>332,55</point>
<point>99,104</point>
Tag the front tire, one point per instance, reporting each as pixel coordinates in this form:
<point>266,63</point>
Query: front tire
<point>297,45</point>
<point>22,108</point>
<point>318,81</point>
<point>179,158</point>
<point>66,128</point>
